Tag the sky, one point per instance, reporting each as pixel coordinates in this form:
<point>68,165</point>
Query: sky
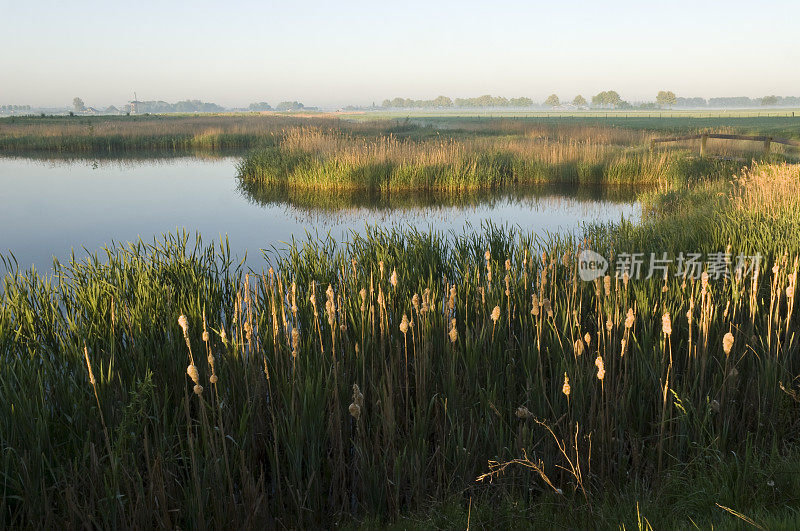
<point>333,54</point>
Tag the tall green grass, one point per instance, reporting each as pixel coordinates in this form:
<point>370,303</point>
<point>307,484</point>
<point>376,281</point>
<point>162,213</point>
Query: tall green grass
<point>373,376</point>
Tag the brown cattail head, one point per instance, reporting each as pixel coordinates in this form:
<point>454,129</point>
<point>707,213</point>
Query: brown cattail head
<point>727,343</point>
<point>666,324</point>
<point>404,324</point>
<point>496,314</point>
<point>607,285</point>
<point>566,389</point>
<point>393,279</point>
<point>191,370</point>
<point>601,368</point>
<point>579,348</point>
<point>629,318</point>
<point>184,324</point>
<point>522,413</point>
<point>588,339</point>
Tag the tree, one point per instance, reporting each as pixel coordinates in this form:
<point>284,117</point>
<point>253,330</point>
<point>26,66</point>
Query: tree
<point>443,101</point>
<point>522,101</point>
<point>78,104</point>
<point>607,97</point>
<point>768,101</point>
<point>552,101</point>
<point>579,101</point>
<point>666,98</point>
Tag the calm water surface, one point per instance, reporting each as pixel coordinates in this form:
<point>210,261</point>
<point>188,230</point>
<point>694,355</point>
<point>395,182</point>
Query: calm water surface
<point>50,207</point>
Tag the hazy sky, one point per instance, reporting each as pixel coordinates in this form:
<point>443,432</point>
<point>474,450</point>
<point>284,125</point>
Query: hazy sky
<point>337,53</point>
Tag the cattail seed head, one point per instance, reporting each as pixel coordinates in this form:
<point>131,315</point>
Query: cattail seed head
<point>579,348</point>
<point>404,324</point>
<point>205,336</point>
<point>213,379</point>
<point>629,318</point>
<point>496,314</point>
<point>355,411</point>
<point>566,389</point>
<point>184,324</point>
<point>727,343</point>
<point>588,339</point>
<point>191,370</point>
<point>607,285</point>
<point>453,335</point>
<point>666,324</point>
<point>522,413</point>
<point>487,255</point>
<point>601,368</point>
<point>508,265</point>
<point>295,339</point>
<point>393,279</point>
<point>198,389</point>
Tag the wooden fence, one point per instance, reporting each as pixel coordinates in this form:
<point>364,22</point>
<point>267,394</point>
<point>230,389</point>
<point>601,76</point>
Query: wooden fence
<point>767,140</point>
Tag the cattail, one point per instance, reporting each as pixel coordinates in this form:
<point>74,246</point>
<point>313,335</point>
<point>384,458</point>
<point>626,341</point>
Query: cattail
<point>601,368</point>
<point>198,389</point>
<point>622,344</point>
<point>666,324</point>
<point>496,314</point>
<point>191,370</point>
<point>451,303</point>
<point>184,324</point>
<point>727,343</point>
<point>355,411</point>
<point>625,278</point>
<point>535,305</point>
<point>404,324</point>
<point>704,280</point>
<point>223,336</point>
<point>487,255</point>
<point>566,389</point>
<point>363,294</point>
<point>607,285</point>
<point>295,339</point>
<point>579,348</point>
<point>609,324</point>
<point>548,307</point>
<point>508,265</point>
<point>629,318</point>
<point>415,302</point>
<point>380,266</point>
<point>522,413</point>
<point>588,339</point>
<point>393,279</point>
<point>453,334</point>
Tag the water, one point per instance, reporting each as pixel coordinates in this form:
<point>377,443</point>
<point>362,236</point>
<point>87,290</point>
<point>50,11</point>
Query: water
<point>51,207</point>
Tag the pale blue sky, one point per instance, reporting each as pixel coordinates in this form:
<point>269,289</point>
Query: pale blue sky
<point>337,53</point>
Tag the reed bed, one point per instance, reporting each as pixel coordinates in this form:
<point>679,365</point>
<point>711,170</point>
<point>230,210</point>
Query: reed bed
<point>163,385</point>
<point>317,159</point>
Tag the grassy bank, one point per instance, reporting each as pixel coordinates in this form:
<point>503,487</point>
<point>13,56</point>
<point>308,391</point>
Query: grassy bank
<point>504,155</point>
<point>369,379</point>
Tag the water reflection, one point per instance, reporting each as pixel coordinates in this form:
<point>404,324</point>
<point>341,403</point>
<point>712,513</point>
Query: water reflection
<point>336,206</point>
<point>52,206</point>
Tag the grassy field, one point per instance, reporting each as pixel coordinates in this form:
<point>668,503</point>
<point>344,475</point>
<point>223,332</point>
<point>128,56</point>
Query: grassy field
<point>207,132</point>
<point>375,380</point>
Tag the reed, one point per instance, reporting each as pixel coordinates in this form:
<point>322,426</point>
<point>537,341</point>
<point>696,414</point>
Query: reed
<point>371,376</point>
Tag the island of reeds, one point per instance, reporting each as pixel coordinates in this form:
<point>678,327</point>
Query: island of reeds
<point>474,378</point>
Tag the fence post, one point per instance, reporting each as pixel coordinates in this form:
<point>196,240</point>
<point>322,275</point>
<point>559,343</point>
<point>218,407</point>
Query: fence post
<point>703,141</point>
<point>767,146</point>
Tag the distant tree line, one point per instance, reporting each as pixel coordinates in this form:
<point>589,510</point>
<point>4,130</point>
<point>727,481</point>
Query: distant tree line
<point>443,102</point>
<point>607,99</point>
<point>739,101</point>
